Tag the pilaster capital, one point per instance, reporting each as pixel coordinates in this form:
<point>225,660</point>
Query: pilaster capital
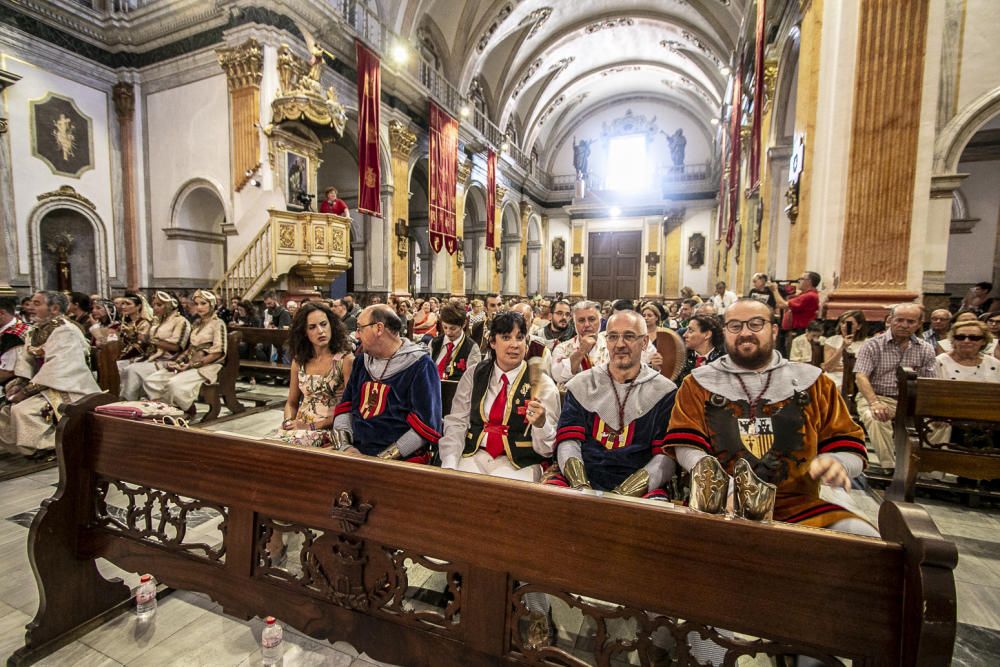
<point>401,140</point>
<point>770,79</point>
<point>243,64</point>
<point>123,95</point>
<point>501,193</point>
<point>464,170</point>
<point>526,210</point>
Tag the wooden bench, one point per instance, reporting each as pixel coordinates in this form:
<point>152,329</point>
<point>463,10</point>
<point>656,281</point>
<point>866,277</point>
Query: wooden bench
<point>964,405</point>
<point>366,523</point>
<point>223,390</point>
<point>254,336</point>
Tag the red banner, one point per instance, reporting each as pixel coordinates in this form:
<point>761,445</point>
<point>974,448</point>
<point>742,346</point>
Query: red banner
<point>443,177</point>
<point>735,124</point>
<point>758,95</point>
<point>369,100</point>
<point>491,200</point>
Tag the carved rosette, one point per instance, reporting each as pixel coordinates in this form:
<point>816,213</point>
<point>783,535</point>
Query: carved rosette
<point>401,140</point>
<point>244,64</point>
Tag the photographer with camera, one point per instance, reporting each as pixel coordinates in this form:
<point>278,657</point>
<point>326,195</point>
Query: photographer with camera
<point>800,308</point>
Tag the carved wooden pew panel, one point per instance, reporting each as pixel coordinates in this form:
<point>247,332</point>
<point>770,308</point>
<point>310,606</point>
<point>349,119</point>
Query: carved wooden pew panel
<point>805,591</point>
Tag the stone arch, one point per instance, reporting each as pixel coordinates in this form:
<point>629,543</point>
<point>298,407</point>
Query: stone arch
<point>68,200</point>
<point>198,215</point>
<point>534,280</point>
<point>786,89</point>
<point>510,244</point>
<point>477,260</point>
<point>958,132</point>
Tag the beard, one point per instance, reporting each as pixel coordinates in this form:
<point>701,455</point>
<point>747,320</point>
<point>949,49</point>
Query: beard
<point>757,358</point>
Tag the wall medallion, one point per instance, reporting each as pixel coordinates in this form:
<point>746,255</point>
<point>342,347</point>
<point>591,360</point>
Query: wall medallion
<point>61,135</point>
<point>558,253</point>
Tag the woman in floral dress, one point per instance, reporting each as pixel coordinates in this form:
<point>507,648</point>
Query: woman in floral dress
<point>321,364</point>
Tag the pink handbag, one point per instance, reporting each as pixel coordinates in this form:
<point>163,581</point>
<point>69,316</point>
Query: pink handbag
<point>139,410</point>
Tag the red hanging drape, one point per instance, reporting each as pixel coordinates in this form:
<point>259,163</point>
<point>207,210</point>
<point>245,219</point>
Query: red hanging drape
<point>491,199</point>
<point>443,177</point>
<point>735,123</point>
<point>369,101</point>
<point>758,95</point>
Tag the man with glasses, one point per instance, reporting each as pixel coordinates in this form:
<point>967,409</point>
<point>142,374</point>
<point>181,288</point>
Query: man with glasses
<point>875,375</point>
<point>786,420</point>
<point>560,326</point>
<point>614,419</point>
<point>993,323</point>
<point>391,406</point>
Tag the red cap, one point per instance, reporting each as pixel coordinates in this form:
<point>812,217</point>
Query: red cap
<point>269,620</point>
<point>144,578</point>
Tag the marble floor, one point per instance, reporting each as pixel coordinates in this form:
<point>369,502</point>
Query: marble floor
<point>190,629</point>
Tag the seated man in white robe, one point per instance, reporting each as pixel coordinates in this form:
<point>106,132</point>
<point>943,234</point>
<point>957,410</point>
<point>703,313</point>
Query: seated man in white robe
<point>51,370</point>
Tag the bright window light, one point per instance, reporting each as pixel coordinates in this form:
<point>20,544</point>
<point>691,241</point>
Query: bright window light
<point>627,164</point>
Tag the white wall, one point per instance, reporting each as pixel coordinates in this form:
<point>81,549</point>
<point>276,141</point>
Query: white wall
<point>32,176</point>
<point>668,119</point>
<point>196,116</point>
<point>979,73</point>
<point>970,256</point>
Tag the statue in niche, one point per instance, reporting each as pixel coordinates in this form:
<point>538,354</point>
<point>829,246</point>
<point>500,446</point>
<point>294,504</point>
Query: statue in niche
<point>61,246</point>
<point>581,153</point>
<point>677,143</point>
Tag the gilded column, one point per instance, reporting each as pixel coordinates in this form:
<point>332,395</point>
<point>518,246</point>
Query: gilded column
<point>401,143</point>
<point>883,155</point>
<point>671,261</point>
<point>244,66</point>
<point>543,270</point>
<point>652,281</point>
<point>761,234</point>
<point>522,266</point>
<point>576,290</point>
<point>124,98</point>
<point>496,280</point>
<point>458,270</point>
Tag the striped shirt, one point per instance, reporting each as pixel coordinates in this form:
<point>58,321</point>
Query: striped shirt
<point>880,356</point>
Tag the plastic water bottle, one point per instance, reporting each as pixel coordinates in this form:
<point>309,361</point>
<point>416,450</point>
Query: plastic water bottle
<point>145,598</point>
<point>270,642</point>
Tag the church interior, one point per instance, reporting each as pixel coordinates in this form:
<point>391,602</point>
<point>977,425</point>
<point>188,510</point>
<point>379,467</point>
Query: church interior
<point>254,249</point>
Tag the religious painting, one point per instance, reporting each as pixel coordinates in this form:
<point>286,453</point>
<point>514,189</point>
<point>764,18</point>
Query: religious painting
<point>696,250</point>
<point>297,181</point>
<point>61,136</point>
<point>558,253</point>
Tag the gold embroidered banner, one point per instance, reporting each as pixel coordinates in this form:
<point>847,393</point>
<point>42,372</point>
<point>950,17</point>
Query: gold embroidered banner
<point>491,199</point>
<point>369,100</point>
<point>443,177</point>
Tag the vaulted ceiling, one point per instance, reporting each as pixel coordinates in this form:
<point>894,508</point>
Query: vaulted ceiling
<point>544,65</point>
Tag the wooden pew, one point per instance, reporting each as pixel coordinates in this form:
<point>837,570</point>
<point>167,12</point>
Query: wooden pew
<point>925,400</point>
<point>849,385</point>
<point>254,336</point>
<point>223,390</point>
<point>801,591</point>
<point>108,377</point>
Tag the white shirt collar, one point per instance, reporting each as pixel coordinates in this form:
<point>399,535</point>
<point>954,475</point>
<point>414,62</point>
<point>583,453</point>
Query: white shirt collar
<point>511,374</point>
<point>457,343</point>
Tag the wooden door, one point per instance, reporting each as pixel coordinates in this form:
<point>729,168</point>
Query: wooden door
<point>613,265</point>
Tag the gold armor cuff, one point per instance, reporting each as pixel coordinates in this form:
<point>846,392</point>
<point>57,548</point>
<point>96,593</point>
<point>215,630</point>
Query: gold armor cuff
<point>635,485</point>
<point>576,473</point>
<point>390,453</point>
<point>342,439</point>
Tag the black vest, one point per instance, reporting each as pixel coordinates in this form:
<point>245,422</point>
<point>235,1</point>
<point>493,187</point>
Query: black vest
<point>517,441</point>
<point>452,371</point>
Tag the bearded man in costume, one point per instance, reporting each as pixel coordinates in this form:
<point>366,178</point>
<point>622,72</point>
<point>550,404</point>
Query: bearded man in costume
<point>614,419</point>
<point>786,420</point>
<point>51,371</point>
<point>391,406</point>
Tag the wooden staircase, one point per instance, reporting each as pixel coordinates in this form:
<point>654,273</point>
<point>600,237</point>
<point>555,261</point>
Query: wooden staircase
<point>314,246</point>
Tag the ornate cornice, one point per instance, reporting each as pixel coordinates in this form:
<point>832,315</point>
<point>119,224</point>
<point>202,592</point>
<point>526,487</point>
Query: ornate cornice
<point>464,170</point>
<point>401,140</point>
<point>67,192</point>
<point>244,64</point>
<point>123,95</point>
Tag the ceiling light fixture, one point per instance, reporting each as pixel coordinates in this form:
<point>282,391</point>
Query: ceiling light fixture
<point>614,211</point>
<point>464,110</point>
<point>714,121</point>
<point>724,70</point>
<point>400,54</point>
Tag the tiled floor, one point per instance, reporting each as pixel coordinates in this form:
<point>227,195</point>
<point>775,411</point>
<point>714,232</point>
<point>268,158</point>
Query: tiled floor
<point>190,629</point>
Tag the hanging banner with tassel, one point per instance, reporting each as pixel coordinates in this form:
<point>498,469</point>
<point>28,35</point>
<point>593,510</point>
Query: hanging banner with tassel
<point>491,200</point>
<point>443,177</point>
<point>758,96</point>
<point>369,101</point>
<point>735,125</point>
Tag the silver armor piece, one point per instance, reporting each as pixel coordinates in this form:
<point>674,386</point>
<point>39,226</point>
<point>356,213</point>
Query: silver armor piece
<point>709,486</point>
<point>342,439</point>
<point>754,497</point>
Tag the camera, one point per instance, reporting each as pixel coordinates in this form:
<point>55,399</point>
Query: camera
<point>305,199</point>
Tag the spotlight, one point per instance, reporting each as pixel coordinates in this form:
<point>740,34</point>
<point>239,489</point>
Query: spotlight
<point>465,111</point>
<point>248,173</point>
<point>724,70</point>
<point>255,183</point>
<point>614,211</point>
<point>505,146</point>
<point>714,121</point>
<point>400,54</point>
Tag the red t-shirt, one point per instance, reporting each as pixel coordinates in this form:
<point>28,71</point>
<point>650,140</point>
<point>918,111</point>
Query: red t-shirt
<point>337,206</point>
<point>802,309</point>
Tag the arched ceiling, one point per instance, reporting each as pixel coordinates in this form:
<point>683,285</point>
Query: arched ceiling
<point>547,64</point>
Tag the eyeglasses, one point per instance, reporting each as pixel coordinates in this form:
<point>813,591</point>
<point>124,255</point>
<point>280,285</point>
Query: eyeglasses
<point>754,324</point>
<point>629,338</point>
<point>973,337</point>
<point>362,326</point>
<point>993,320</point>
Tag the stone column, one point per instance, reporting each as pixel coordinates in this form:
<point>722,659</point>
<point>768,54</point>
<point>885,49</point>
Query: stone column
<point>884,136</point>
<point>8,249</point>
<point>522,282</point>
<point>496,280</point>
<point>458,270</point>
<point>244,66</point>
<point>124,97</point>
<point>576,285</point>
<point>401,142</point>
